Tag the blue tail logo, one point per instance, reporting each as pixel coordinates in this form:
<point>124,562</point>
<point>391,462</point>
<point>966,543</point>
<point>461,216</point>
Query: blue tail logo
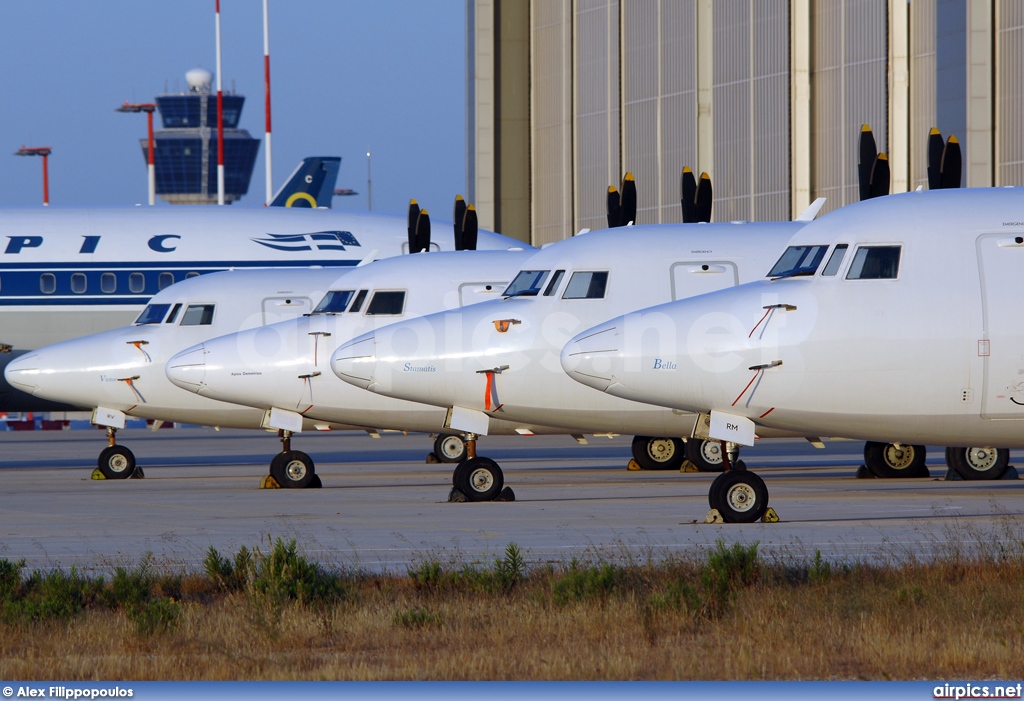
<point>311,185</point>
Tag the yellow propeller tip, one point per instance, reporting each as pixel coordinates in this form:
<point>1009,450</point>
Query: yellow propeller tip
<point>882,157</point>
<point>629,176</point>
<point>705,176</point>
<point>412,201</point>
<point>458,197</point>
<point>865,127</point>
<point>952,139</point>
<point>686,169</point>
<point>471,207</point>
<point>934,131</point>
<point>611,189</point>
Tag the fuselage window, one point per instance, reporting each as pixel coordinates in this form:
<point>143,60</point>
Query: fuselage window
<point>165,280</point>
<point>386,303</point>
<point>835,260</point>
<point>174,313</point>
<point>108,283</point>
<point>191,275</point>
<point>48,283</point>
<point>527,283</point>
<point>198,315</point>
<point>334,302</point>
<point>799,260</point>
<point>875,263</point>
<point>152,314</point>
<point>556,280</point>
<point>358,304</point>
<point>137,282</point>
<point>586,285</point>
<point>79,283</point>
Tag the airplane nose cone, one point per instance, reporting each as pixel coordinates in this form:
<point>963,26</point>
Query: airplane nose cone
<point>23,373</point>
<point>594,358</point>
<point>187,369</point>
<point>356,361</point>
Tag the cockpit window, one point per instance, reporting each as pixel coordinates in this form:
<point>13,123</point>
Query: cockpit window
<point>174,314</point>
<point>334,302</point>
<point>586,285</point>
<point>835,260</point>
<point>198,315</point>
<point>358,304</point>
<point>798,260</point>
<point>556,280</point>
<point>875,263</point>
<point>152,314</point>
<point>527,283</point>
<point>388,302</point>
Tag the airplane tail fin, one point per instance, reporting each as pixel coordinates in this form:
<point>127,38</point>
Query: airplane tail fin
<point>311,185</point>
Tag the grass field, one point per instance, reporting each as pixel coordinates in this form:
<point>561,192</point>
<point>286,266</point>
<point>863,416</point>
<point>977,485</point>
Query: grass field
<point>724,613</point>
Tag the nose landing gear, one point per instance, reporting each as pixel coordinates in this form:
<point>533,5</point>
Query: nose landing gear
<point>478,478</point>
<point>116,461</point>
<point>293,469</point>
<point>738,495</point>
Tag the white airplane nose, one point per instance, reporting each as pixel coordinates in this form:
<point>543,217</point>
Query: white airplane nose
<point>187,369</point>
<point>356,361</point>
<point>594,358</point>
<point>23,373</point>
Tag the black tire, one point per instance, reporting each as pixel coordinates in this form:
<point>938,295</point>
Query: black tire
<point>658,453</point>
<point>450,448</point>
<point>116,462</point>
<point>479,479</point>
<point>886,461</point>
<point>705,454</point>
<point>292,469</point>
<point>739,495</point>
<point>978,463</point>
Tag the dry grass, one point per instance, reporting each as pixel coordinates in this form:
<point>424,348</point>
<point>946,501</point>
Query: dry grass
<point>726,614</point>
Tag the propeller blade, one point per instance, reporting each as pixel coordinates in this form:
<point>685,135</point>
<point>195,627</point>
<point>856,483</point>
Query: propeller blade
<point>688,196</point>
<point>879,185</point>
<point>414,215</point>
<point>469,229</point>
<point>703,198</point>
<point>868,153</point>
<point>628,201</point>
<point>951,164</point>
<point>935,148</point>
<point>423,232</point>
<point>614,208</point>
<point>459,224</point>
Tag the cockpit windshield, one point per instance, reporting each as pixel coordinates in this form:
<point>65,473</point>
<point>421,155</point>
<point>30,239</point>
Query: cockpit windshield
<point>152,314</point>
<point>528,283</point>
<point>798,260</point>
<point>334,302</point>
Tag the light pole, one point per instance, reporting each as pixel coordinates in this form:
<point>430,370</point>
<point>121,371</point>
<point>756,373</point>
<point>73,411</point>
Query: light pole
<point>43,151</point>
<point>369,185</point>
<point>148,108</point>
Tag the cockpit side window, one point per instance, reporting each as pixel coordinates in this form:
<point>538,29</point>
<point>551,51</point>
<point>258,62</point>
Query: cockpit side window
<point>334,302</point>
<point>174,313</point>
<point>835,260</point>
<point>198,315</point>
<point>875,263</point>
<point>556,280</point>
<point>152,314</point>
<point>527,283</point>
<point>586,285</point>
<point>386,302</point>
<point>798,260</point>
<point>358,303</point>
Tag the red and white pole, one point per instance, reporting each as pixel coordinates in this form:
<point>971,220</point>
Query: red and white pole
<point>151,161</point>
<point>220,119</point>
<point>46,180</point>
<point>266,88</point>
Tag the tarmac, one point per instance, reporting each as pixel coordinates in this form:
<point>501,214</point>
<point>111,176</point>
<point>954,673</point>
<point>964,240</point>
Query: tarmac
<point>384,508</point>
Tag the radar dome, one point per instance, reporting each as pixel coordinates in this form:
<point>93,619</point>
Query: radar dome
<point>198,78</point>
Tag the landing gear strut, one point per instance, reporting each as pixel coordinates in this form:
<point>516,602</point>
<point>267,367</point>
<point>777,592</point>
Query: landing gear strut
<point>115,462</point>
<point>477,478</point>
<point>739,495</point>
<point>292,469</point>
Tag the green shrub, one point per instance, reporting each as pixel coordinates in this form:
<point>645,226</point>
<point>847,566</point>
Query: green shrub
<point>416,618</point>
<point>579,583</point>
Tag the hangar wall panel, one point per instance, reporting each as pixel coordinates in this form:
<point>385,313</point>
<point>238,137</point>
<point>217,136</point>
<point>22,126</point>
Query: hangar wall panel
<point>922,88</point>
<point>849,87</point>
<point>596,109</point>
<point>551,118</point>
<point>1009,127</point>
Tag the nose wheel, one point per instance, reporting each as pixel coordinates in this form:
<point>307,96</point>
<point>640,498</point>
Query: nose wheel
<point>293,469</point>
<point>116,462</point>
<point>477,478</point>
<point>737,494</point>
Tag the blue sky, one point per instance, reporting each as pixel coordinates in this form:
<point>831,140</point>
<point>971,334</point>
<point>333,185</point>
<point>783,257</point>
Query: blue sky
<point>346,77</point>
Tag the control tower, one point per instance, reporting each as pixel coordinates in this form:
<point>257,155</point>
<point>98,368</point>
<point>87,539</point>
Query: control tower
<point>186,147</point>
